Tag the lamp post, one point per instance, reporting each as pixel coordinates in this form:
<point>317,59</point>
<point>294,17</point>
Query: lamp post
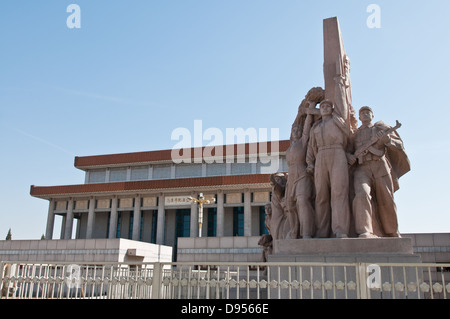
<point>200,201</point>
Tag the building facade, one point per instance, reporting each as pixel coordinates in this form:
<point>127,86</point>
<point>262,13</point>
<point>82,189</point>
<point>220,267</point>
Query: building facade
<point>144,196</point>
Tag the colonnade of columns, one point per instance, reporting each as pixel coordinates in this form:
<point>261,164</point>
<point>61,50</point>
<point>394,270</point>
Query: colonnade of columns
<point>68,217</point>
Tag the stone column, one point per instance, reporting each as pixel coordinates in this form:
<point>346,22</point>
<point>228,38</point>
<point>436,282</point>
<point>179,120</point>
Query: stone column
<point>137,218</point>
<point>91,218</point>
<point>77,231</point>
<point>50,220</point>
<point>247,213</point>
<point>69,221</point>
<point>160,221</point>
<point>113,218</point>
<point>63,227</point>
<point>220,214</point>
<point>334,64</point>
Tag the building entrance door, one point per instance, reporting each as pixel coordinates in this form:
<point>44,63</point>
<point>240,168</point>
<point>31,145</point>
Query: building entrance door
<point>182,228</point>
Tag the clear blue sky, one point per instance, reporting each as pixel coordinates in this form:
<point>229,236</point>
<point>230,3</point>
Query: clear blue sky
<point>136,70</point>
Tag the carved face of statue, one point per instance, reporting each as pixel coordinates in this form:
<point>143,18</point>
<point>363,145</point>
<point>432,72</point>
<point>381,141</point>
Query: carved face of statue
<point>279,179</point>
<point>296,132</point>
<point>366,116</point>
<point>326,109</point>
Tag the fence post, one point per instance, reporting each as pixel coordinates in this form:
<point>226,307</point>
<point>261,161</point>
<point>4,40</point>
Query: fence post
<point>157,281</point>
<point>362,281</point>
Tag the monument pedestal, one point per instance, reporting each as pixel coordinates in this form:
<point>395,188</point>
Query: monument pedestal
<point>348,250</point>
<point>339,268</point>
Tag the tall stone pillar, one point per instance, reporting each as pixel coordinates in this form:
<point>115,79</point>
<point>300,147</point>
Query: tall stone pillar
<point>247,213</point>
<point>160,221</point>
<point>336,65</point>
<point>220,214</point>
<point>63,227</point>
<point>91,218</point>
<point>137,218</point>
<point>69,221</point>
<point>50,220</point>
<point>113,218</point>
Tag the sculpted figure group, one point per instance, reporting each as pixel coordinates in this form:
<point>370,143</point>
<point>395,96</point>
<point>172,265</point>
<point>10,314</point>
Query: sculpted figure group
<point>341,180</point>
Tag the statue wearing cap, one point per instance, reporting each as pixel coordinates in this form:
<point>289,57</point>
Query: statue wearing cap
<point>327,160</point>
<point>376,177</point>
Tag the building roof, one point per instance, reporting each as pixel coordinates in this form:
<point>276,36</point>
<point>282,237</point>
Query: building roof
<point>138,158</point>
<point>159,157</point>
<point>48,192</point>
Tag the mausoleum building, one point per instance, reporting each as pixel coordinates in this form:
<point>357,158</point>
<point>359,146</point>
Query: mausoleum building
<point>143,196</point>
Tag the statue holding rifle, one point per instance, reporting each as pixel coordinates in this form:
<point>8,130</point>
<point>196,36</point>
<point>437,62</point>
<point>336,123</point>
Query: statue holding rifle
<point>380,161</point>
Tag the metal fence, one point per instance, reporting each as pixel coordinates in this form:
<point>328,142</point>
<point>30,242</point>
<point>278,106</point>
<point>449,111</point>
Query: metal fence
<point>224,281</point>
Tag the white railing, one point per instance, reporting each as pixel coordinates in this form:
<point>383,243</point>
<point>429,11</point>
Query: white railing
<point>224,280</point>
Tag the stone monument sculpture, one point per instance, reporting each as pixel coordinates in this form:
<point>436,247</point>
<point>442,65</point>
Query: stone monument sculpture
<point>336,202</point>
<point>300,184</point>
<point>279,224</point>
<point>267,220</point>
<point>341,179</point>
<point>327,160</point>
<point>380,160</point>
<point>266,242</point>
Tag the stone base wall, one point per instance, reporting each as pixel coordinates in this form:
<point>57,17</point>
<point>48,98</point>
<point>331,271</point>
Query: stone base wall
<point>83,250</point>
<point>220,249</point>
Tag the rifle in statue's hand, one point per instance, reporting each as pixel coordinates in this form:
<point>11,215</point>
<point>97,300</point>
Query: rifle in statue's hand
<point>360,152</point>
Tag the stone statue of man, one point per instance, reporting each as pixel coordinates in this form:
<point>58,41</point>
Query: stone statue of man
<point>375,177</point>
<point>300,184</point>
<point>267,220</point>
<point>278,222</point>
<point>327,159</point>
